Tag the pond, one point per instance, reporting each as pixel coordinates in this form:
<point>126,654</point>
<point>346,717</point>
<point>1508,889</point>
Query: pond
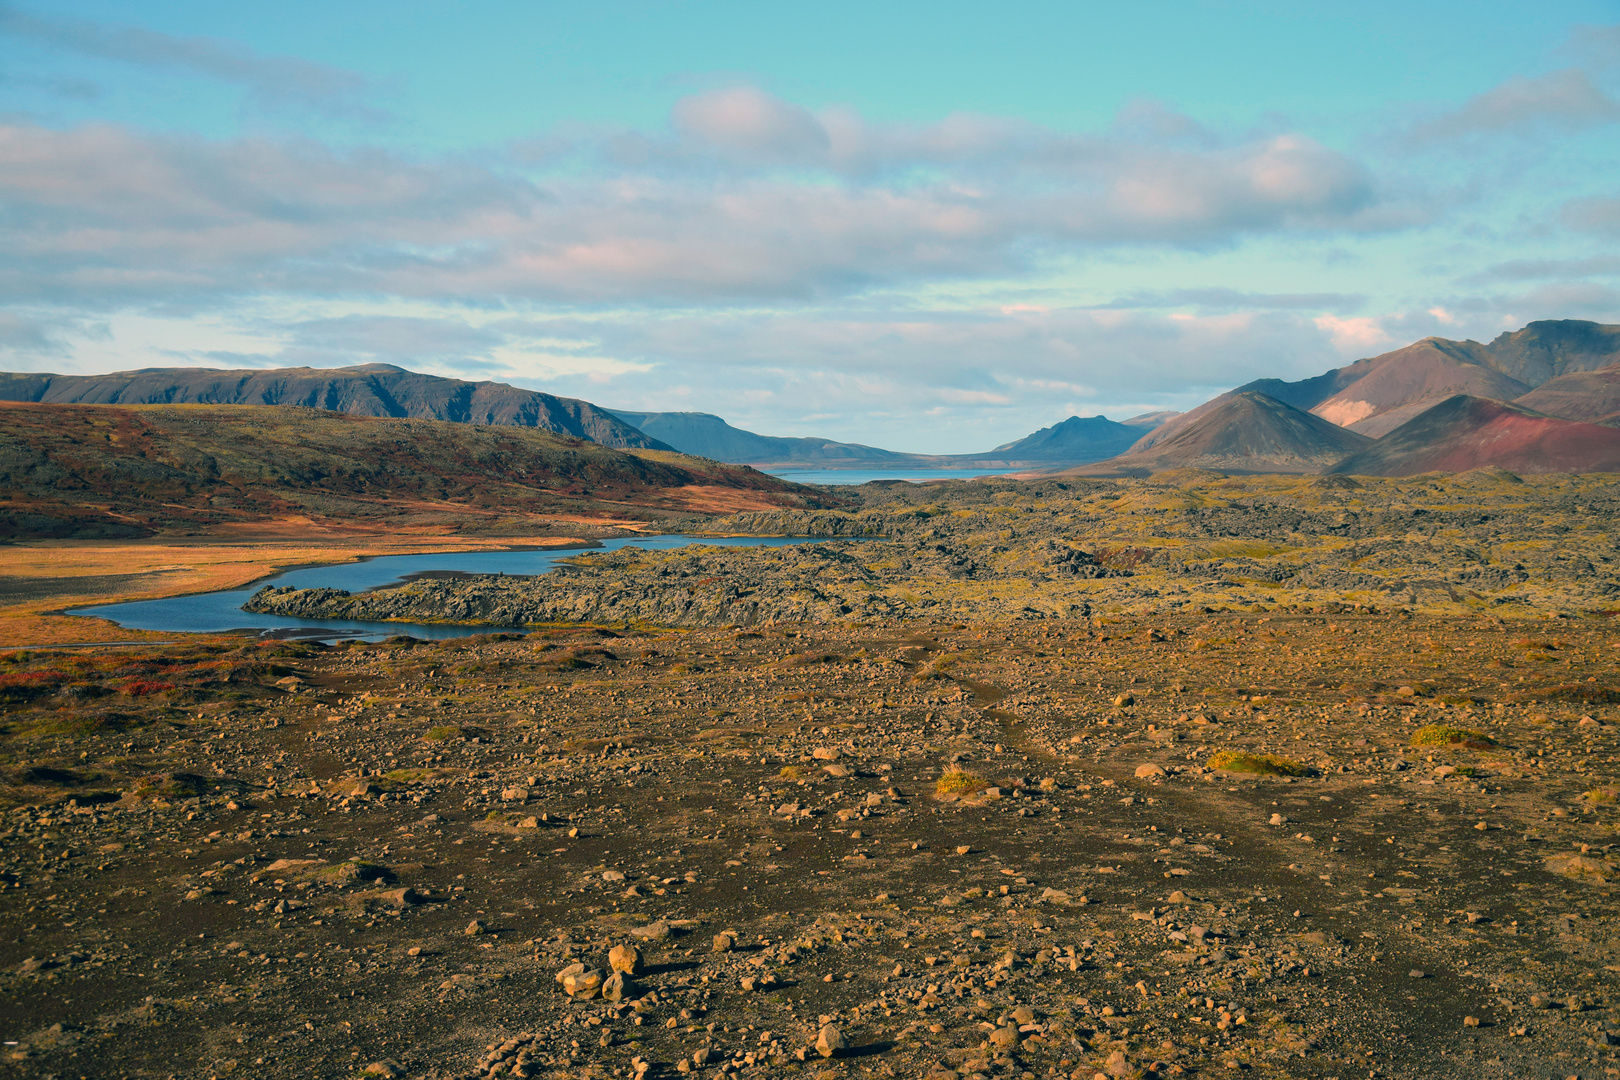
<point>219,612</point>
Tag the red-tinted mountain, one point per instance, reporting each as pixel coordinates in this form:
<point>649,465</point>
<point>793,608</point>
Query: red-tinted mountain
<point>1592,397</point>
<point>367,390</point>
<point>1378,394</point>
<point>1464,433</point>
<point>1243,432</point>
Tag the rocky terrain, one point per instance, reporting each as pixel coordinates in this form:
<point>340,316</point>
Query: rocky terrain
<point>997,550</point>
<point>1278,845</point>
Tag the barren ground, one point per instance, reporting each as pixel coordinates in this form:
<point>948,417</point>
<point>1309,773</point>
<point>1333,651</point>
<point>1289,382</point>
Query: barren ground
<point>229,860</point>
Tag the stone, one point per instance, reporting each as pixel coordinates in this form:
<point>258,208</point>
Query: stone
<point>515,794</point>
<point>400,898</point>
<point>388,1068</point>
<point>965,849</point>
<point>584,984</point>
<point>653,931</point>
<point>1417,973</point>
<point>1118,1065</point>
<point>830,1041</point>
<point>826,753</point>
<point>1005,1038</point>
<point>1123,700</point>
<point>626,959</point>
<point>1444,771</point>
<point>476,927</point>
<point>616,987</point>
<point>1277,819</point>
<point>1177,897</point>
<point>1024,1014</point>
<point>724,943</point>
<point>836,770</point>
<point>613,875</point>
<point>1470,1021</point>
<point>1148,771</point>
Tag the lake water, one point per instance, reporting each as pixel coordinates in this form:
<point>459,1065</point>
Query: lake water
<point>862,476</point>
<point>217,612</point>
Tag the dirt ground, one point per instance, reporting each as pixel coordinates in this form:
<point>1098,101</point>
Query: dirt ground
<point>931,849</point>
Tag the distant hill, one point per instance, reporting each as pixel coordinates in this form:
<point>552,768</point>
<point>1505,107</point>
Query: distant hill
<point>1074,441</point>
<point>1149,420</point>
<point>1589,396</point>
<point>367,390</point>
<point>115,470</point>
<point>707,435</point>
<point>1077,439</point>
<point>1464,433</point>
<point>1246,432</point>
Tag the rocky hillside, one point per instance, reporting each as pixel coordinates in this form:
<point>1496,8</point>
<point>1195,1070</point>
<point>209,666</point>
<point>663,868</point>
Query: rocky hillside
<point>367,390</point>
<point>103,470</point>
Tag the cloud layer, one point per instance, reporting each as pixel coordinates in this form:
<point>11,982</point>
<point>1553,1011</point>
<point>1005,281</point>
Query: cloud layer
<point>746,196</point>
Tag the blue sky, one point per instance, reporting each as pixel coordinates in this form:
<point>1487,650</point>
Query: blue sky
<point>932,227</point>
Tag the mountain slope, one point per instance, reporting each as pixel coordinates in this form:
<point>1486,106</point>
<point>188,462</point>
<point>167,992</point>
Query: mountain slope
<point>1246,432</point>
<point>1403,383</point>
<point>115,470</point>
<point>1463,433</point>
<point>1592,397</point>
<point>367,390</point>
<point>1551,348</point>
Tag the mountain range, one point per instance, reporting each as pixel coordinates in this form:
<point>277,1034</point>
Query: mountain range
<point>1077,439</point>
<point>1544,398</point>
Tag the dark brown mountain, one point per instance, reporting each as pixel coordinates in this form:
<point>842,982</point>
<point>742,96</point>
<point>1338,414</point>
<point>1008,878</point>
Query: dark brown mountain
<point>367,390</point>
<point>1464,433</point>
<point>1244,432</point>
<point>121,470</point>
<point>1591,397</point>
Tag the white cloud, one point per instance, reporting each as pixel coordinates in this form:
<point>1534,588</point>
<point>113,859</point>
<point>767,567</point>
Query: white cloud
<point>1560,101</point>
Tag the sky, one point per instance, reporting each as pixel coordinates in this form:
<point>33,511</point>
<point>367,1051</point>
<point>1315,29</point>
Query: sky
<point>932,227</point>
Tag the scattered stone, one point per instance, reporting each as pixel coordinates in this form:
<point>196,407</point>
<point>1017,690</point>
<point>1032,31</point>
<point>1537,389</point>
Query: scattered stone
<point>584,984</point>
<point>1148,771</point>
<point>830,1041</point>
<point>625,959</point>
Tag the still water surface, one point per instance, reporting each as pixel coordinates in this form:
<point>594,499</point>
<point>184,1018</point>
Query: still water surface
<point>842,477</point>
<point>220,611</point>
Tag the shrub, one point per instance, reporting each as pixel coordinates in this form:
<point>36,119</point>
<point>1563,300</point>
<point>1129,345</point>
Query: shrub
<point>1259,764</point>
<point>791,772</point>
<point>442,734</point>
<point>1441,735</point>
<point>1603,796</point>
<point>957,782</point>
